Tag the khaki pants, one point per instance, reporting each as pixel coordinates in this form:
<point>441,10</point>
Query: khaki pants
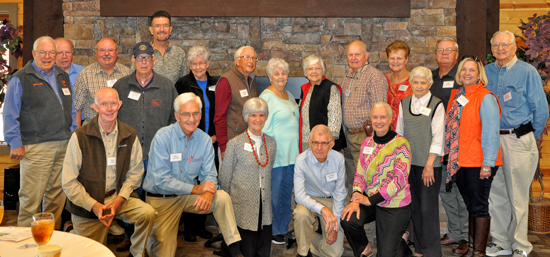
<point>41,181</point>
<point>163,240</point>
<point>509,195</point>
<point>307,239</point>
<point>132,211</point>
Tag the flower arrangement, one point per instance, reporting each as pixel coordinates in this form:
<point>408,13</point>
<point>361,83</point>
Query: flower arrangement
<point>9,41</point>
<point>536,47</point>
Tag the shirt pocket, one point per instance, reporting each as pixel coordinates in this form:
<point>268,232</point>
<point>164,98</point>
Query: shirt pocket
<point>517,96</point>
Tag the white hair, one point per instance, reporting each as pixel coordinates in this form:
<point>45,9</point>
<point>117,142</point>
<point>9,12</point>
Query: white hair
<point>311,60</point>
<point>238,52</point>
<point>253,105</point>
<point>421,72</point>
<point>276,63</point>
<point>198,51</point>
<point>184,98</point>
<point>507,32</point>
<point>447,39</point>
<point>40,39</point>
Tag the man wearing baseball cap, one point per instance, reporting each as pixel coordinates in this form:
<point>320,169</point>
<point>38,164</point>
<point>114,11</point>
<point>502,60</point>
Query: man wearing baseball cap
<point>147,105</point>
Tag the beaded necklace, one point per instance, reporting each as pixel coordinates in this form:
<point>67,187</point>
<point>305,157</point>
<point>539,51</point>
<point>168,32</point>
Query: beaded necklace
<point>254,150</point>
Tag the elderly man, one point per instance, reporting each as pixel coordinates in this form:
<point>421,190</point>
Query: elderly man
<point>233,89</point>
<point>170,59</point>
<point>179,153</point>
<point>319,177</point>
<point>518,87</point>
<point>446,55</point>
<point>102,169</point>
<point>64,59</point>
<point>38,119</point>
<point>103,73</point>
<point>148,105</point>
<point>363,86</point>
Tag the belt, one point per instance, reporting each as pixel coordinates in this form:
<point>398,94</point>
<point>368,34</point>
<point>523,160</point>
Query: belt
<point>507,131</point>
<point>110,193</point>
<point>355,131</point>
<point>160,195</point>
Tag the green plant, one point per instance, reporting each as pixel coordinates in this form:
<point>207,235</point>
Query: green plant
<point>9,41</point>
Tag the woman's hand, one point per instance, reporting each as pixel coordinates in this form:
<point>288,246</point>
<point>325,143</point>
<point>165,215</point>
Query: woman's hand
<point>485,172</point>
<point>349,210</point>
<point>428,175</point>
<point>360,199</point>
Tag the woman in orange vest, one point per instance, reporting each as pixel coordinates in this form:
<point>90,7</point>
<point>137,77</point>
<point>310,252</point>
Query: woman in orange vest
<point>472,144</point>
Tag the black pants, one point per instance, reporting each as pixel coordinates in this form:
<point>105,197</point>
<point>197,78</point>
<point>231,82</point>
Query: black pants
<point>391,223</point>
<point>256,243</point>
<point>425,212</point>
<point>474,190</point>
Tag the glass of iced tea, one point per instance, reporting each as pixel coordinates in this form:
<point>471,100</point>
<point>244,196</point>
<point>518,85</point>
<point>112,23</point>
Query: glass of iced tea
<point>42,227</point>
<point>1,211</point>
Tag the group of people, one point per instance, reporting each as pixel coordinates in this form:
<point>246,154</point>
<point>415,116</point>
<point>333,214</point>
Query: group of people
<point>387,145</point>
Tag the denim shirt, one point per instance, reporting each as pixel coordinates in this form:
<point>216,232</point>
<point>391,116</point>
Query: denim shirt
<point>178,177</point>
<point>528,103</point>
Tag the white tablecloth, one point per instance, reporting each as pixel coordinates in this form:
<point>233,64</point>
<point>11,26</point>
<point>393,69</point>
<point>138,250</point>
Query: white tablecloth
<point>73,246</point>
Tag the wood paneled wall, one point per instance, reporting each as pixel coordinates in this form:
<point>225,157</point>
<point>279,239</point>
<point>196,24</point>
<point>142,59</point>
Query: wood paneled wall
<point>512,11</point>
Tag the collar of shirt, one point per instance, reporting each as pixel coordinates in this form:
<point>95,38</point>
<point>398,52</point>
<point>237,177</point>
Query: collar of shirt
<point>98,69</point>
<point>146,82</point>
<point>42,72</point>
<point>167,49</point>
<point>313,160</point>
<point>103,133</point>
<point>180,133</point>
<point>353,74</point>
<point>509,64</point>
<point>423,102</point>
<point>73,69</point>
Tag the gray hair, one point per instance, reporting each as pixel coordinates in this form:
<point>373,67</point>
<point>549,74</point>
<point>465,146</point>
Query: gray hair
<point>40,39</point>
<point>238,52</point>
<point>421,72</point>
<point>62,38</point>
<point>446,39</point>
<point>276,63</point>
<point>507,32</point>
<point>185,98</point>
<point>198,51</point>
<point>321,130</point>
<point>311,60</point>
<point>253,105</point>
<point>385,105</point>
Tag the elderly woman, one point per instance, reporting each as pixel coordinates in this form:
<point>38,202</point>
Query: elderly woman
<point>199,82</point>
<point>398,80</point>
<point>380,189</point>
<point>245,175</point>
<point>320,103</point>
<point>281,124</point>
<point>422,121</point>
<point>472,139</point>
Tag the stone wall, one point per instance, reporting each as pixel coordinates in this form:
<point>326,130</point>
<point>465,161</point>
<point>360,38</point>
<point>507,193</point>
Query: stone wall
<point>288,38</point>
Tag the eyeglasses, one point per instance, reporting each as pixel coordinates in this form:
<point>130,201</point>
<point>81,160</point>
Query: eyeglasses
<point>249,58</point>
<point>105,50</point>
<point>473,57</point>
<point>316,143</point>
<point>146,58</point>
<point>198,64</point>
<point>187,115</point>
<point>316,68</point>
<point>504,45</point>
<point>66,53</point>
<point>445,50</point>
<point>44,53</point>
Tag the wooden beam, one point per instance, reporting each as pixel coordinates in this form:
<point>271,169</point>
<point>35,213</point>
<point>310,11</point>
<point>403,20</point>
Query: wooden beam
<point>42,17</point>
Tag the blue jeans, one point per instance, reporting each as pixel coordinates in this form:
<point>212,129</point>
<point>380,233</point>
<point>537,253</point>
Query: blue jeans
<point>282,181</point>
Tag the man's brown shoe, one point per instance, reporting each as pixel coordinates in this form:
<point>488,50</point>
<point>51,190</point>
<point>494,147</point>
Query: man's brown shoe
<point>123,246</point>
<point>461,249</point>
<point>446,240</point>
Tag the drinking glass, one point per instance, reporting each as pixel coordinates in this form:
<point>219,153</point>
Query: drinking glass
<point>42,227</point>
<point>1,211</point>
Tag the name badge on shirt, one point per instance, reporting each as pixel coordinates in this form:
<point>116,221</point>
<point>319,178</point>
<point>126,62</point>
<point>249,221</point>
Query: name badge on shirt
<point>462,100</point>
<point>347,93</point>
<point>111,83</point>
<point>331,177</point>
<point>507,96</point>
<point>175,157</point>
<point>244,93</point>
<point>368,150</point>
<point>134,95</point>
<point>425,111</point>
<point>66,91</point>
<point>248,147</point>
<point>111,161</point>
<point>403,88</point>
<point>448,84</point>
<point>212,88</point>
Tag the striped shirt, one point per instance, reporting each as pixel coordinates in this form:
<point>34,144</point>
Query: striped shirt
<point>360,90</point>
<point>91,79</point>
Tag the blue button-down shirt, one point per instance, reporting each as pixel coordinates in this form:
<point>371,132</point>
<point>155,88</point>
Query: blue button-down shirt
<point>310,180</point>
<point>73,72</point>
<point>528,103</point>
<point>12,106</point>
<point>178,177</point>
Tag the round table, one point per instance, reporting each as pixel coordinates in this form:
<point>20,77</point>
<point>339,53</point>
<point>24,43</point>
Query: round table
<point>73,245</point>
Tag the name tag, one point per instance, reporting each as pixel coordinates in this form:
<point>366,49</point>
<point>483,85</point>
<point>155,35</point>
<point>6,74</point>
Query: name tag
<point>331,177</point>
<point>425,111</point>
<point>462,100</point>
<point>448,84</point>
<point>244,93</point>
<point>403,88</point>
<point>134,95</point>
<point>212,88</point>
<point>368,150</point>
<point>347,93</point>
<point>175,157</point>
<point>66,91</point>
<point>507,96</point>
<point>248,147</point>
<point>111,161</point>
<point>111,83</point>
